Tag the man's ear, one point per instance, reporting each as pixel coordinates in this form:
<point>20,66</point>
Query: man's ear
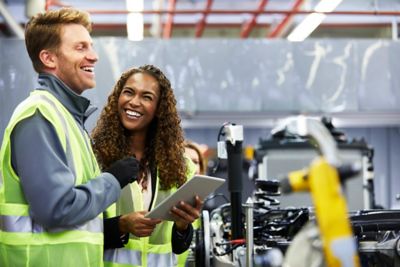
<point>48,59</point>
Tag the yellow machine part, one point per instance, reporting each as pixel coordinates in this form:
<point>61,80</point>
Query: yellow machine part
<point>323,182</point>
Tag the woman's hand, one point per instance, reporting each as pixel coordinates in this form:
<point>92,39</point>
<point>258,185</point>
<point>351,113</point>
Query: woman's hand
<point>186,214</point>
<point>136,224</point>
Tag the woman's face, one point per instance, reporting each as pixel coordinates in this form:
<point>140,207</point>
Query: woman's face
<point>138,101</point>
<point>192,154</point>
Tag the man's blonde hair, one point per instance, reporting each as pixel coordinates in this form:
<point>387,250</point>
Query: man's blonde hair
<point>43,31</point>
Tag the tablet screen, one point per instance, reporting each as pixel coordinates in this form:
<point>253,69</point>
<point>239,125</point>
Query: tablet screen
<point>200,185</point>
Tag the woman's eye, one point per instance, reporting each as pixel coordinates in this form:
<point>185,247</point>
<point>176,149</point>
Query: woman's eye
<point>127,92</point>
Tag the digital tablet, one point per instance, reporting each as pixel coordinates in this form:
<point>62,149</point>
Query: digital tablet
<point>200,185</point>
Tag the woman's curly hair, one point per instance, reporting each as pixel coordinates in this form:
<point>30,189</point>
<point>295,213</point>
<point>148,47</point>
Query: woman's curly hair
<point>164,141</point>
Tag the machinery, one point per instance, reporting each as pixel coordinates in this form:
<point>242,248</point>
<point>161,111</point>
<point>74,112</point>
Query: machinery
<point>263,232</point>
<point>322,180</point>
<point>222,241</point>
<point>286,151</point>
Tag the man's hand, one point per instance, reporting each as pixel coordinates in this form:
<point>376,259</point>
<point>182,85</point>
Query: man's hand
<point>125,170</point>
<point>136,224</point>
<point>186,214</point>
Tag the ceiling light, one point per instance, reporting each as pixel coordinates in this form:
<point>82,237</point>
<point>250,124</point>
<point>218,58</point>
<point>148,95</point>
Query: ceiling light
<point>134,5</point>
<point>313,20</point>
<point>134,20</point>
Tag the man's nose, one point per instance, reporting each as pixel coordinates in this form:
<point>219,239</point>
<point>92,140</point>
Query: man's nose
<point>92,55</point>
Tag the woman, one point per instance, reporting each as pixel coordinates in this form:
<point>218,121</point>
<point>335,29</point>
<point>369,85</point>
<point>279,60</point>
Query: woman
<point>193,152</point>
<point>140,119</point>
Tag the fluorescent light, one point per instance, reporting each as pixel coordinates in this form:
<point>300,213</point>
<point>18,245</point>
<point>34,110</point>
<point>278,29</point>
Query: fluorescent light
<point>313,20</point>
<point>134,5</point>
<point>306,27</point>
<point>134,20</point>
<point>135,26</point>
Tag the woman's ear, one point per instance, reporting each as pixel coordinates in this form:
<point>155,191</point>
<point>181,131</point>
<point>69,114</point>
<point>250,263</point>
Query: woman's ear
<point>48,58</point>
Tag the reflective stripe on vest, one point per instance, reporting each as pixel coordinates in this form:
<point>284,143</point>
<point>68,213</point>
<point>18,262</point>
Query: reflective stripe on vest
<point>124,256</point>
<point>24,224</point>
<point>134,257</point>
<point>155,260</point>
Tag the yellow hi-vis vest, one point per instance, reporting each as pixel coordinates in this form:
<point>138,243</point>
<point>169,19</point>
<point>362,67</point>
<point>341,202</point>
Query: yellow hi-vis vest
<point>25,243</point>
<point>151,251</point>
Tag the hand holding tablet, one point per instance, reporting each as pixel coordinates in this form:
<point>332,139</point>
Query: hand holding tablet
<point>199,185</point>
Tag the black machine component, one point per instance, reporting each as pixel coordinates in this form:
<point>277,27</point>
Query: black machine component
<point>275,227</point>
<point>284,140</point>
<point>234,150</point>
<point>377,234</point>
<point>272,228</point>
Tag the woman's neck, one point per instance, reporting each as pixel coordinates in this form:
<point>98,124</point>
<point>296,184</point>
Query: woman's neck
<point>138,145</point>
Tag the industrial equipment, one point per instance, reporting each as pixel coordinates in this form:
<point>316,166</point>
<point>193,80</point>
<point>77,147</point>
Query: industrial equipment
<point>265,231</point>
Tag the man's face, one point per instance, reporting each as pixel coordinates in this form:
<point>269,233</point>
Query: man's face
<point>75,58</point>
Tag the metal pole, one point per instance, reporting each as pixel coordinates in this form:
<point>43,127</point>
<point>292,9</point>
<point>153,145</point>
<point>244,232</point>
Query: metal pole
<point>395,32</point>
<point>249,232</point>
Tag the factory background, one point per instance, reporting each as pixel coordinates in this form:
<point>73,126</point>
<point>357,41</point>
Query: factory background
<point>235,61</point>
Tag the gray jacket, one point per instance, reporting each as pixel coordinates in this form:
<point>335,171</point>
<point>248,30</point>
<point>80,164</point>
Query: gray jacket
<point>47,181</point>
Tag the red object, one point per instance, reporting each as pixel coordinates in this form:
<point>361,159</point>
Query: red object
<point>202,23</point>
<point>282,26</point>
<point>246,29</point>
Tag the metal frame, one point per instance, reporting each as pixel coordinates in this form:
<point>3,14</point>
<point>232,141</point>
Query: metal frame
<point>273,30</point>
<point>281,28</point>
<point>246,29</point>
<point>167,32</point>
<point>276,31</point>
<point>203,21</point>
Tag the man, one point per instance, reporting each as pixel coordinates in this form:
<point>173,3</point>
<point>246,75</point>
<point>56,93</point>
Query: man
<point>52,193</point>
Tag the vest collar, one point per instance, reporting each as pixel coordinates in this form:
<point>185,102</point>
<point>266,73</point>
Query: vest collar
<point>79,106</point>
